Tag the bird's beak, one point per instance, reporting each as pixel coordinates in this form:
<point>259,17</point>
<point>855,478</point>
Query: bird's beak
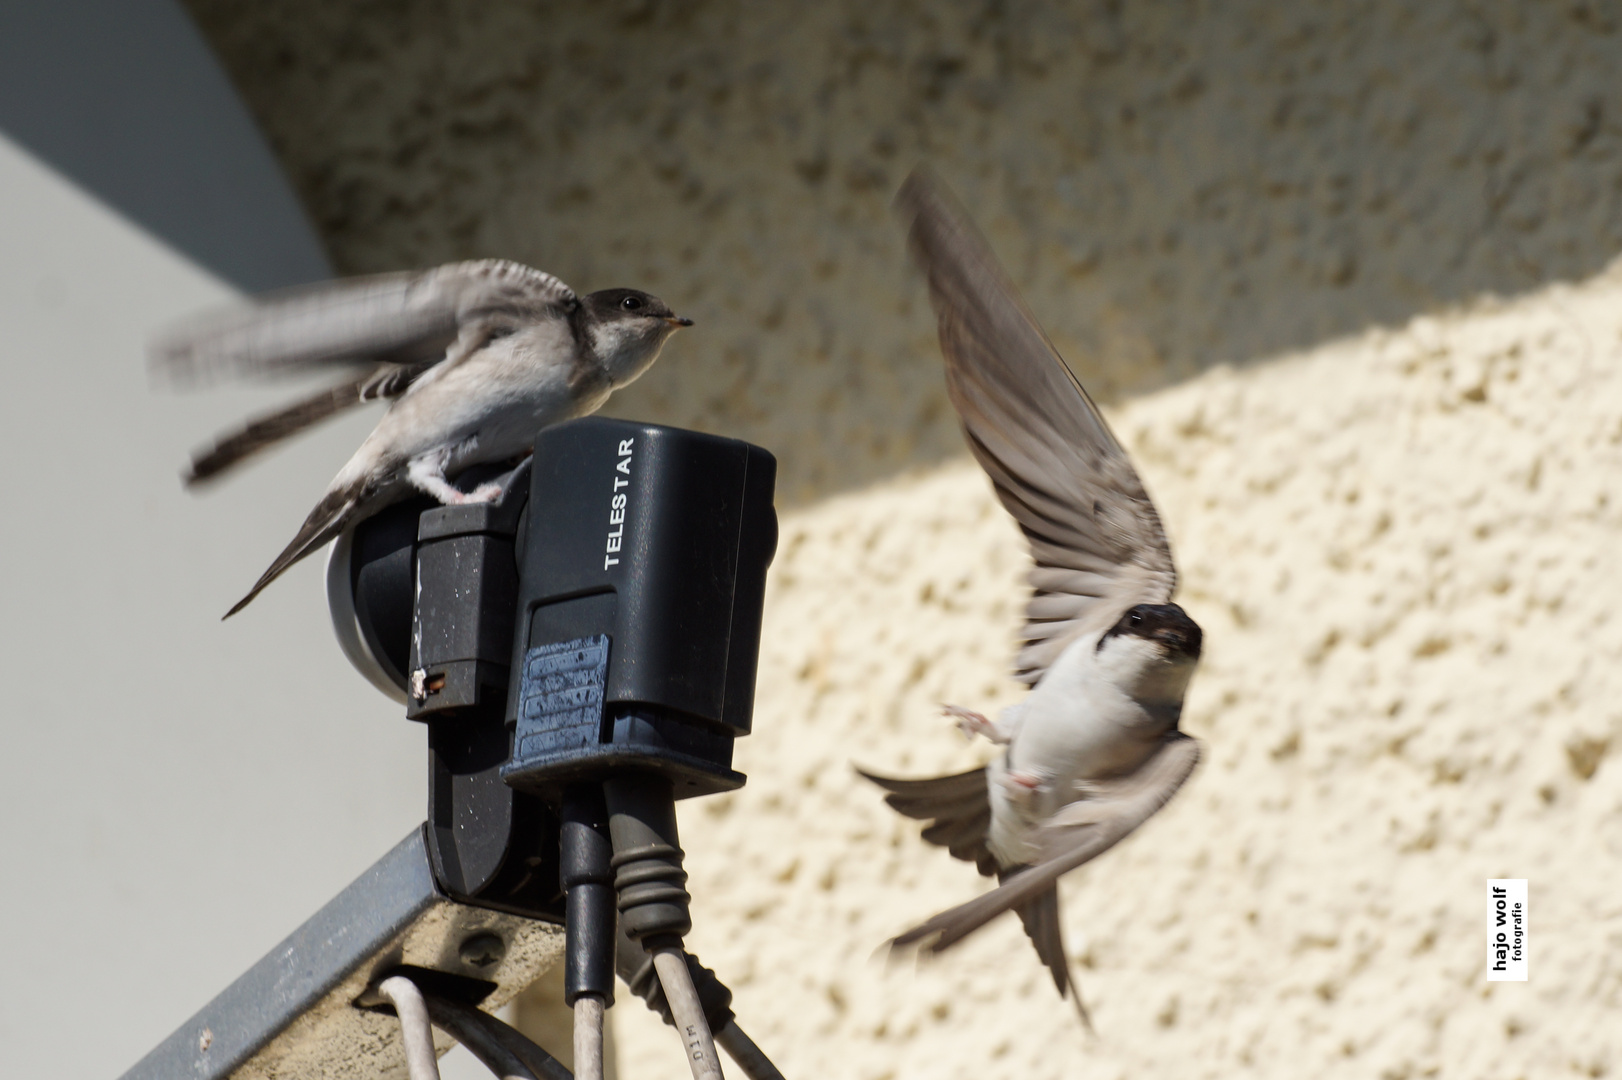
<point>1178,641</point>
<point>674,320</point>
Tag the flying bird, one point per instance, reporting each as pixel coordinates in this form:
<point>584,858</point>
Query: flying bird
<point>1094,749</point>
<point>471,357</point>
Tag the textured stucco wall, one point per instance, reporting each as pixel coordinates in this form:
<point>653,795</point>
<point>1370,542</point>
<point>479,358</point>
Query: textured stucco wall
<point>1404,551</point>
<point>1175,183</point>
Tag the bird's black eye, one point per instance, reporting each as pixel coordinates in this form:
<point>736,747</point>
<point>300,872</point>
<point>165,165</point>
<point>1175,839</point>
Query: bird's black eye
<point>631,303</point>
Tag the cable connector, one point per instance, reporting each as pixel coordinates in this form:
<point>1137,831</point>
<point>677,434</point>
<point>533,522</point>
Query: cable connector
<point>635,967</point>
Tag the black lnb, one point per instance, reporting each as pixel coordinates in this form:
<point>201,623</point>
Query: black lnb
<point>642,580</point>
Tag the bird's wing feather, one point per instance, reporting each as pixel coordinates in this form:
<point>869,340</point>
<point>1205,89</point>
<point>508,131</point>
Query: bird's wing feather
<point>1077,834</point>
<point>406,319</point>
<point>236,445</point>
<point>494,295</point>
<point>352,500</point>
<point>1096,540</point>
<point>956,807</point>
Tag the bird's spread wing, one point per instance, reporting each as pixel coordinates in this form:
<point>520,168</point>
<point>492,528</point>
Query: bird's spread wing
<point>403,320</point>
<point>234,446</point>
<point>1096,540</point>
<point>386,332</point>
<point>956,808</point>
<point>1079,833</point>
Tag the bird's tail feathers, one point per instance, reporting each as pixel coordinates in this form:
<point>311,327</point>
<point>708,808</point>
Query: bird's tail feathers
<point>1076,835</point>
<point>329,518</point>
<point>1040,917</point>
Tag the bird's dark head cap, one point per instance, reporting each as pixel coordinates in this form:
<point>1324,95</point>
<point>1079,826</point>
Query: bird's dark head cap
<point>613,304</point>
<point>1164,623</point>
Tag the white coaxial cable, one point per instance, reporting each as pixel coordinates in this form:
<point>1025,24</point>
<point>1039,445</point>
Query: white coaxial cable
<point>415,1030</point>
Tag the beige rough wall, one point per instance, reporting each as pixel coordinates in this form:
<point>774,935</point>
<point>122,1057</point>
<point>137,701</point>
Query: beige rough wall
<point>1176,184</point>
<point>1404,550</point>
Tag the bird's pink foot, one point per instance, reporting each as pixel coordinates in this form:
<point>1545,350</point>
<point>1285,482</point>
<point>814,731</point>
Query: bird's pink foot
<point>971,723</point>
<point>450,496</point>
<point>1020,786</point>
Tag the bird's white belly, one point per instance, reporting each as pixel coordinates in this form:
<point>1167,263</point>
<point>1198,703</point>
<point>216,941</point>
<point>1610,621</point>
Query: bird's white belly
<point>1088,740</point>
<point>509,431</point>
<point>481,413</point>
<point>1076,726</point>
<point>1011,836</point>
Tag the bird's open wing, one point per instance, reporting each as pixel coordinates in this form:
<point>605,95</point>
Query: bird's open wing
<point>405,320</point>
<point>232,447</point>
<point>1096,540</point>
<point>1079,833</point>
<point>956,808</point>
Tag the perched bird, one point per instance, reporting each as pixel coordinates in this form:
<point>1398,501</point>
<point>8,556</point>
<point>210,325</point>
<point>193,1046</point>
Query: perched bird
<point>1094,749</point>
<point>472,358</point>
